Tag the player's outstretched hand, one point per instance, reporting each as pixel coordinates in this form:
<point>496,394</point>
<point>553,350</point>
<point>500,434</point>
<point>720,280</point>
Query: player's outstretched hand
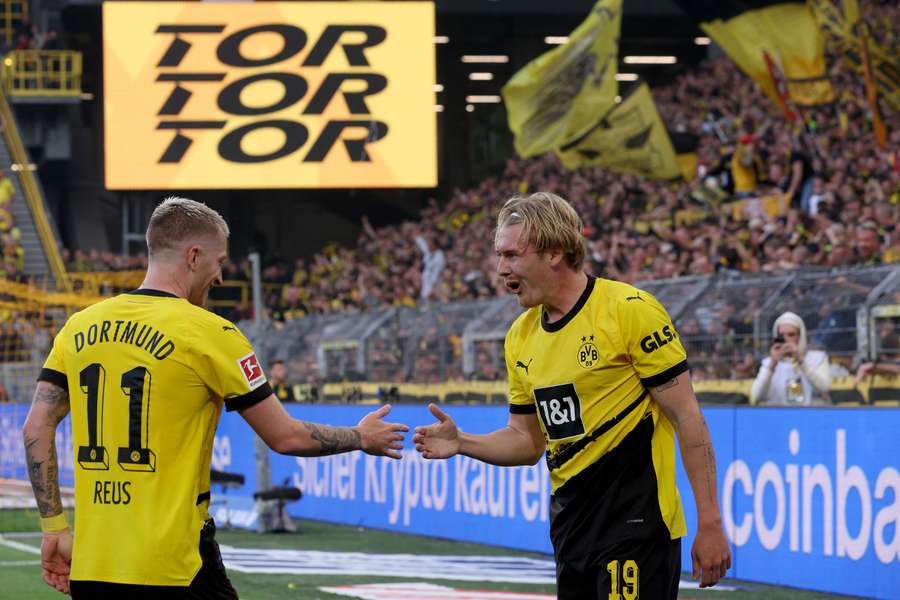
<point>380,438</point>
<point>440,440</point>
<point>711,554</point>
<point>56,559</point>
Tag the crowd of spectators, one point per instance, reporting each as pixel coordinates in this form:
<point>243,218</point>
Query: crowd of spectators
<point>80,261</point>
<point>767,196</point>
<point>27,35</point>
<point>819,192</point>
<point>10,235</point>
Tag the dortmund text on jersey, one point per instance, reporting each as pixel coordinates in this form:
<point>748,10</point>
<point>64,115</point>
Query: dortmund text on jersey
<point>147,375</point>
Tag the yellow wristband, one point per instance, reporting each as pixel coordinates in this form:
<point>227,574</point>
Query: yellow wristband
<point>54,524</point>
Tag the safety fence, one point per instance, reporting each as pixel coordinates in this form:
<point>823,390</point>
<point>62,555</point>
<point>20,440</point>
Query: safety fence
<point>724,322</point>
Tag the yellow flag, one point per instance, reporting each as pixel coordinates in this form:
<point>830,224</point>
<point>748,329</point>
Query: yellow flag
<point>845,34</point>
<point>851,11</point>
<point>630,138</point>
<point>786,30</point>
<point>557,96</point>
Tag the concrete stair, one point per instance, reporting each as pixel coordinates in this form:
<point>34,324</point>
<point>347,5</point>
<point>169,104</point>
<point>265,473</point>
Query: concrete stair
<point>36,263</point>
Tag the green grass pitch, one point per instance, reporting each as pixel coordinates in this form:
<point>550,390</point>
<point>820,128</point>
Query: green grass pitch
<point>20,570</point>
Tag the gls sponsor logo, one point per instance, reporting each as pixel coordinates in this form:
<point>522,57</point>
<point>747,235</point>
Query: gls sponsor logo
<point>353,86</point>
<point>655,341</point>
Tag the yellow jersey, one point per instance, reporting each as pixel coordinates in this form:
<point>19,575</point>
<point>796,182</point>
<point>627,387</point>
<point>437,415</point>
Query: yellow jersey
<point>147,375</point>
<point>587,376</point>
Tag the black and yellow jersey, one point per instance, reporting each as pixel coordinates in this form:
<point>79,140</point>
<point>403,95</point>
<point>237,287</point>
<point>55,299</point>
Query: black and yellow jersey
<point>587,376</point>
<point>147,375</point>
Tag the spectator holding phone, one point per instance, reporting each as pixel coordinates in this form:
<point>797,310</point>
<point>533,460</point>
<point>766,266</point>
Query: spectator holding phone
<point>791,375</point>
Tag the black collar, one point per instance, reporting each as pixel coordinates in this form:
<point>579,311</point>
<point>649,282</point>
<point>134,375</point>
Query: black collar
<point>149,292</point>
<point>557,325</point>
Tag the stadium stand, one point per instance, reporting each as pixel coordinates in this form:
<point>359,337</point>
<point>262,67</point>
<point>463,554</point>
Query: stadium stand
<point>724,260</point>
<point>771,216</point>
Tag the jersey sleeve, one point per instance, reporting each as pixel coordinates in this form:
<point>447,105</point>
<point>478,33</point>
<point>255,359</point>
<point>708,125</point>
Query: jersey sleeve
<point>54,369</point>
<point>229,366</point>
<point>652,341</point>
<point>520,402</point>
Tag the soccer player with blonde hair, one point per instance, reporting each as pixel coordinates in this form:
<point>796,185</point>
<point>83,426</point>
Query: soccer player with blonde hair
<point>599,380</point>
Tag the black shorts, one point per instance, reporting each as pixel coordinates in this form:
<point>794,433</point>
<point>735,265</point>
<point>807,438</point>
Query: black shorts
<point>649,568</point>
<point>210,583</point>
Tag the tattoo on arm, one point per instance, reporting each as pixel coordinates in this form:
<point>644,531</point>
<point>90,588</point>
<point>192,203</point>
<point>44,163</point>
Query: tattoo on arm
<point>664,386</point>
<point>40,451</point>
<point>44,475</point>
<point>56,397</point>
<point>334,439</point>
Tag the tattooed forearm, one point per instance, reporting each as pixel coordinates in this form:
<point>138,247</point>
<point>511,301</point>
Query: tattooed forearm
<point>334,439</point>
<point>664,386</point>
<point>43,470</point>
<point>54,397</point>
<point>49,407</point>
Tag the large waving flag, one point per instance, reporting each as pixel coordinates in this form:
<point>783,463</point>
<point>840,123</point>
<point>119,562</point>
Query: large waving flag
<point>557,96</point>
<point>786,30</point>
<point>850,37</point>
<point>630,138</point>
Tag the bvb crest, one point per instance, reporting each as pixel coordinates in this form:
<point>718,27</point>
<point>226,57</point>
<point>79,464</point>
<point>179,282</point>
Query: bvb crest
<point>587,352</point>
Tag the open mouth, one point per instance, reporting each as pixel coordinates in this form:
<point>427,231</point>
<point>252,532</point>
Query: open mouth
<point>513,286</point>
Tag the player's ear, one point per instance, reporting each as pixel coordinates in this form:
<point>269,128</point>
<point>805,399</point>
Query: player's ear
<point>555,257</point>
<point>192,254</point>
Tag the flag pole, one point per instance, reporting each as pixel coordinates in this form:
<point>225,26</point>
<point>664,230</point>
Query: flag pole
<point>871,92</point>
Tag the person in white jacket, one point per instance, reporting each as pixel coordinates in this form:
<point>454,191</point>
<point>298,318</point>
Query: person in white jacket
<point>432,264</point>
<point>792,375</point>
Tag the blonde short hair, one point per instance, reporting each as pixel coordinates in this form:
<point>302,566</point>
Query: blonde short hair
<point>548,223</point>
<point>176,220</point>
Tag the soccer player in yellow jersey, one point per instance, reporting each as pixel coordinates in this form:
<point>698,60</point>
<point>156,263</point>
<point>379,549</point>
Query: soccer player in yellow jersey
<point>599,379</point>
<point>145,376</point>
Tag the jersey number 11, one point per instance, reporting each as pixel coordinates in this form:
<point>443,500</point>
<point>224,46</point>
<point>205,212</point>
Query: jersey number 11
<point>135,386</point>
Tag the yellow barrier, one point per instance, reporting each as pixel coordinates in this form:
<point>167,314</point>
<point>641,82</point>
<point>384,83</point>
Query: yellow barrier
<point>877,391</point>
<point>11,11</point>
<point>88,287</point>
<point>42,73</point>
<point>106,283</point>
<point>27,294</point>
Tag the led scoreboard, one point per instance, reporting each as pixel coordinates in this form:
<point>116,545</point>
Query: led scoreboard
<point>269,95</point>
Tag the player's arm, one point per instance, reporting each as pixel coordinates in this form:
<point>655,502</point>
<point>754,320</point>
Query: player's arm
<point>49,406</point>
<point>286,435</point>
<point>227,363</point>
<point>521,442</point>
<point>711,554</point>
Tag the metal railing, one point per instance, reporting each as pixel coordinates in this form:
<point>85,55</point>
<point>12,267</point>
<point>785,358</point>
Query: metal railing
<point>724,322</point>
<point>11,11</point>
<point>42,73</point>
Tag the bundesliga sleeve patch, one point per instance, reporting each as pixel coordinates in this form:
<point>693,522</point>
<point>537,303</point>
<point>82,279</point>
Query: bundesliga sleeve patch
<point>251,370</point>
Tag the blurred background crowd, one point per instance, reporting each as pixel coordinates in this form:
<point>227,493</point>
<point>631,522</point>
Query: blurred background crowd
<point>763,195</point>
